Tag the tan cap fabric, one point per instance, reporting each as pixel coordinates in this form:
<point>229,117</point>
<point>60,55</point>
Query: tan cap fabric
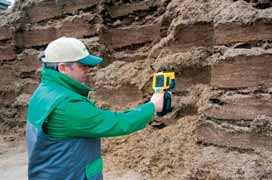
<point>66,49</point>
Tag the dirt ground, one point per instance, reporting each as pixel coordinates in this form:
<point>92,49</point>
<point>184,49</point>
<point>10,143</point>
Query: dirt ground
<point>153,153</point>
<point>13,164</point>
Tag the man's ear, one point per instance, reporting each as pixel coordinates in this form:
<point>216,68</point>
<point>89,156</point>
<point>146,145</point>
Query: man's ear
<point>62,67</point>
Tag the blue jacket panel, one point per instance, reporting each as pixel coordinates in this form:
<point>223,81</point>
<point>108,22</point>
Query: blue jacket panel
<point>60,159</point>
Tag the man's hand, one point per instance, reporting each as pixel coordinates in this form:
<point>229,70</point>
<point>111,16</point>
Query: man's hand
<point>157,99</point>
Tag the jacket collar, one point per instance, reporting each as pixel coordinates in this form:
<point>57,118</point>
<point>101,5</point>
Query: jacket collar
<point>52,76</point>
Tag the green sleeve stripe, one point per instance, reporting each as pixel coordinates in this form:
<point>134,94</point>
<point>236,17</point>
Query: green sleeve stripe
<point>94,168</point>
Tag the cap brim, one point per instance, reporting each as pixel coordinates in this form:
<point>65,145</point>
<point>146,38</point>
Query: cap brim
<point>90,60</point>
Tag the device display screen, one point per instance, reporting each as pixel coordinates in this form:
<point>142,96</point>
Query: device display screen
<point>159,81</point>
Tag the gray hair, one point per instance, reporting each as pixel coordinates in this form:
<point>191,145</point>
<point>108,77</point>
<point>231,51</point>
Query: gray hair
<point>51,65</point>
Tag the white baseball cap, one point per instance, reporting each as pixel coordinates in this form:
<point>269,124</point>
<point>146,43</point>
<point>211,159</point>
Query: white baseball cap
<point>66,49</point>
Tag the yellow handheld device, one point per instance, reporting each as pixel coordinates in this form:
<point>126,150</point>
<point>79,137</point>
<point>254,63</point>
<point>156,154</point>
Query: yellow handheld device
<point>164,82</point>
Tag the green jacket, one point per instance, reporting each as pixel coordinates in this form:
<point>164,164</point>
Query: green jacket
<point>60,107</point>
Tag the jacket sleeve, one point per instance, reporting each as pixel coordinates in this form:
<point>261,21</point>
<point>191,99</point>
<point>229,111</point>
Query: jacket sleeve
<point>84,119</point>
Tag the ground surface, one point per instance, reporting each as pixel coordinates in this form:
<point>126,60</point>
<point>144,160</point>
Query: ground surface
<point>13,164</point>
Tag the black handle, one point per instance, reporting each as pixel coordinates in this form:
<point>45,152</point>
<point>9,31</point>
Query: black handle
<point>166,104</point>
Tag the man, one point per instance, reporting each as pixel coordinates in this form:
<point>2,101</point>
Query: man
<point>64,127</point>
